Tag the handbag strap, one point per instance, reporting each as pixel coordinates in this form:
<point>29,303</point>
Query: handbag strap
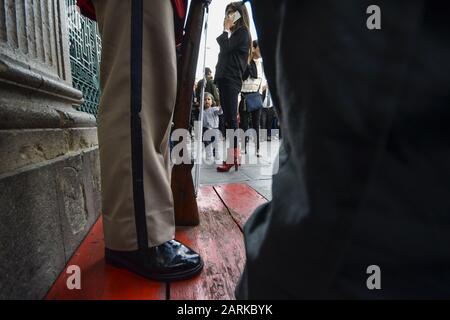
<point>262,68</point>
<point>260,84</point>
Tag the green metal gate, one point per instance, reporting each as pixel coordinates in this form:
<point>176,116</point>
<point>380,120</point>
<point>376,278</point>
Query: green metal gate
<point>85,48</point>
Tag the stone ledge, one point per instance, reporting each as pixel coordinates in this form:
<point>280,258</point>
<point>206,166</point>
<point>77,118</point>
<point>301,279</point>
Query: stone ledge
<point>23,76</point>
<point>25,147</point>
<point>22,108</point>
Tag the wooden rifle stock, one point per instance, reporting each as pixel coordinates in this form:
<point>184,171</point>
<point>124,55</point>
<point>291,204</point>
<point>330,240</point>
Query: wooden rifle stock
<point>185,203</point>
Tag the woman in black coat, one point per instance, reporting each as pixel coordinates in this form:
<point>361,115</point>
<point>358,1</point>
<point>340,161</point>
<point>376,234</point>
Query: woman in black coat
<point>235,45</point>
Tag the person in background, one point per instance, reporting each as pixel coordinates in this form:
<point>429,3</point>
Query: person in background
<point>211,115</point>
<point>235,47</point>
<point>138,81</point>
<point>211,87</point>
<point>254,81</point>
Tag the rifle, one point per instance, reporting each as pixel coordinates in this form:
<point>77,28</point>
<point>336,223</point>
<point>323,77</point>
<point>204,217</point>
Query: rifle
<point>185,203</point>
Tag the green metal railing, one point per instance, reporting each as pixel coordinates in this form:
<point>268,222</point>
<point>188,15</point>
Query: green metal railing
<point>85,48</point>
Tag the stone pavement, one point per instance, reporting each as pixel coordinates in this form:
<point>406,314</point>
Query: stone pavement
<point>254,171</point>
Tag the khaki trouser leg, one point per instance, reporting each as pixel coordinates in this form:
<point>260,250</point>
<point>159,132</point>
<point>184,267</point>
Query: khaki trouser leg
<point>138,83</point>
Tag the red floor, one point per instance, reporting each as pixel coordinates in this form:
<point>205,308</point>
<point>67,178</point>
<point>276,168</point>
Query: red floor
<point>223,211</point>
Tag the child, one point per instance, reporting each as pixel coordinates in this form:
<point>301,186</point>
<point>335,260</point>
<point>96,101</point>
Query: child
<point>210,121</point>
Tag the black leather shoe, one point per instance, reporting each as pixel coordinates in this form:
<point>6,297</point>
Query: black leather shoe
<point>169,261</point>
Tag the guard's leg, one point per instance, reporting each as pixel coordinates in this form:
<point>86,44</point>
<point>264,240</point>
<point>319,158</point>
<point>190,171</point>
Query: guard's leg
<point>138,80</point>
<point>138,83</point>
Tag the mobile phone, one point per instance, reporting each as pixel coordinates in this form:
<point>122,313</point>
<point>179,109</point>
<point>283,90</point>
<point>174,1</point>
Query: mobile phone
<point>236,16</point>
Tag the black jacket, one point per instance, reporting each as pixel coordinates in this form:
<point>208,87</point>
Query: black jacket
<point>364,174</point>
<point>233,56</point>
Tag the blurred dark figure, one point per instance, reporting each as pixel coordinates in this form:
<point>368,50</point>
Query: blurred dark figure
<point>364,174</point>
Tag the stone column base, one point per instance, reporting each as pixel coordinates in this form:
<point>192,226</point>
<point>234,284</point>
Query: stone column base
<point>46,211</point>
<point>49,167</point>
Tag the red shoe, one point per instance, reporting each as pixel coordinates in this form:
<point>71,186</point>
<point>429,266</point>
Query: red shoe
<point>233,159</point>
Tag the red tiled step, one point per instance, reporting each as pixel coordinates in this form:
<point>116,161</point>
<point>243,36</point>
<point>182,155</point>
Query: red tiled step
<point>241,200</point>
<point>100,281</point>
<point>218,239</point>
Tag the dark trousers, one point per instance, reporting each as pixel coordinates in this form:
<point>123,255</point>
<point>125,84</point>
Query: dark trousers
<point>229,93</point>
<point>267,116</point>
<point>222,125</point>
<point>249,120</point>
<point>213,139</point>
<point>364,167</point>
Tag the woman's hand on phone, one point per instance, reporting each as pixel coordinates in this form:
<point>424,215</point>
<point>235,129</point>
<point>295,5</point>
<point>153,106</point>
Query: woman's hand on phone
<point>228,22</point>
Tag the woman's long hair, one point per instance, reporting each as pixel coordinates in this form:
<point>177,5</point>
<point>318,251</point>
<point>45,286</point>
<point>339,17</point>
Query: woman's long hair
<point>243,22</point>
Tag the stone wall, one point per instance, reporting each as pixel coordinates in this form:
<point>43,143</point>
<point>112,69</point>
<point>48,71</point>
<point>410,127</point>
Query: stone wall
<point>49,169</point>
